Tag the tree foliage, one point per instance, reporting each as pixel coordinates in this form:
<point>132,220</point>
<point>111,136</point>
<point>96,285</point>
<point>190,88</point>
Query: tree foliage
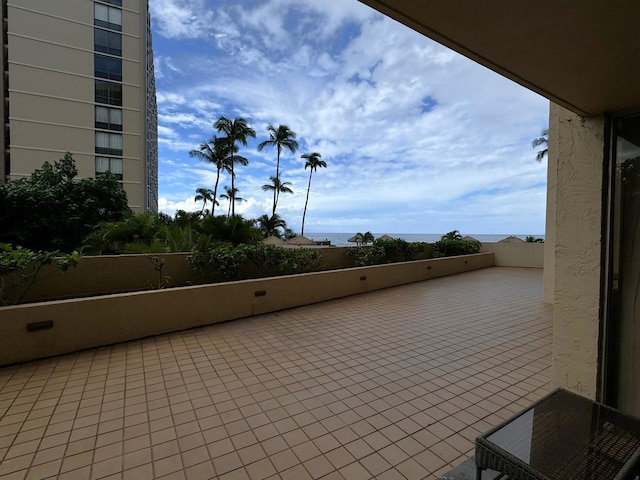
<point>452,244</point>
<point>281,137</point>
<point>236,131</point>
<point>219,153</point>
<point>385,251</point>
<point>532,239</point>
<point>225,261</point>
<point>277,187</point>
<point>19,267</point>
<point>542,140</point>
<point>271,226</point>
<point>312,162</point>
<point>234,230</point>
<point>52,211</point>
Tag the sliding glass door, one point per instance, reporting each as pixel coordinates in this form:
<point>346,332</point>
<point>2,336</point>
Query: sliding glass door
<point>622,324</point>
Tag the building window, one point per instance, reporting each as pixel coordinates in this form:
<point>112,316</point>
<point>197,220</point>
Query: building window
<point>109,93</point>
<point>109,118</point>
<point>107,42</point>
<point>109,143</point>
<point>106,164</point>
<point>117,3</point>
<point>108,67</point>
<point>107,17</point>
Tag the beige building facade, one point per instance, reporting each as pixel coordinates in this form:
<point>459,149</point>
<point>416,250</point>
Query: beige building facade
<point>79,78</point>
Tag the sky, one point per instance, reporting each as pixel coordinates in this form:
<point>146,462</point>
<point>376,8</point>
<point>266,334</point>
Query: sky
<point>417,138</point>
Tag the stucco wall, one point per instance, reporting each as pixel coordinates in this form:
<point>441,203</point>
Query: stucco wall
<point>90,322</point>
<point>579,155</point>
<point>516,254</point>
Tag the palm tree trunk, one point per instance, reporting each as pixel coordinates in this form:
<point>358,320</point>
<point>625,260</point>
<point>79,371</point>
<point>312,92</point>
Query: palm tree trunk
<point>215,194</point>
<point>306,201</point>
<point>275,190</point>
<point>233,186</point>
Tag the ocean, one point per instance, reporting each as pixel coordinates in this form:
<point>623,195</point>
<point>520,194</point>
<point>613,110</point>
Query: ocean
<point>340,239</point>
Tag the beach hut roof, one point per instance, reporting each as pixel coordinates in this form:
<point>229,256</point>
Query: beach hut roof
<point>300,240</point>
<point>469,238</point>
<point>386,237</point>
<point>273,240</point>
<point>357,238</point>
<point>511,239</point>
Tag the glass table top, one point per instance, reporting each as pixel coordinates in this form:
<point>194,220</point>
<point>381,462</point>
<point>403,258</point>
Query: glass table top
<point>568,436</point>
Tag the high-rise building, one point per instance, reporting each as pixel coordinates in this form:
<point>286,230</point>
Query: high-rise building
<point>78,77</point>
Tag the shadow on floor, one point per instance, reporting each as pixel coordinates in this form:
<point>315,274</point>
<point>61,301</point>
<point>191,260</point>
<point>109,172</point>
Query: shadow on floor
<point>467,471</point>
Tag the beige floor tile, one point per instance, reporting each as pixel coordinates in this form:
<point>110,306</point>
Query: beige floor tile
<point>390,384</point>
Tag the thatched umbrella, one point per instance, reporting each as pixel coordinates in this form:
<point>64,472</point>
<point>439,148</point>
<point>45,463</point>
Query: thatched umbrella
<point>273,240</point>
<point>386,238</point>
<point>357,238</point>
<point>511,239</point>
<point>470,239</point>
<point>300,240</point>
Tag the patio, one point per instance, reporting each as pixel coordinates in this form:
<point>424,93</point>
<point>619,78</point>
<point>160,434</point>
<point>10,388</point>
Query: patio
<point>393,384</point>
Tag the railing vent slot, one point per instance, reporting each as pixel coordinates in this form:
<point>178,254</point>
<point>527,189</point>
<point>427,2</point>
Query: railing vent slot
<point>260,293</point>
<point>34,327</point>
<point>363,277</point>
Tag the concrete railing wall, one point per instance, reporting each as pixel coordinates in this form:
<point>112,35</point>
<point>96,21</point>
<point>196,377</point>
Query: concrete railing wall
<point>130,273</point>
<point>516,254</point>
<point>44,329</point>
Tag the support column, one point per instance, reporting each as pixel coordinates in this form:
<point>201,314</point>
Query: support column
<point>579,154</point>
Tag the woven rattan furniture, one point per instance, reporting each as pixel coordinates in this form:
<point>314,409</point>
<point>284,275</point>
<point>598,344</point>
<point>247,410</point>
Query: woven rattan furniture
<point>563,436</point>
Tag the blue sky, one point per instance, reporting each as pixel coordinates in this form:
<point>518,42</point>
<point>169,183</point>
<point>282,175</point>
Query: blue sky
<point>417,138</point>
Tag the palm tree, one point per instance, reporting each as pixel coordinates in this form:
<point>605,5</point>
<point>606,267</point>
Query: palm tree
<point>269,226</point>
<point>236,131</point>
<point>543,139</point>
<point>277,187</point>
<point>206,195</point>
<point>281,137</point>
<point>368,238</point>
<point>232,196</point>
<point>312,162</point>
<point>217,152</point>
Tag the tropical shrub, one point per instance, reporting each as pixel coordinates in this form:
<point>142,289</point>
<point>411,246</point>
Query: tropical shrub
<point>532,239</point>
<point>396,250</point>
<point>159,233</point>
<point>364,256</point>
<point>234,229</point>
<point>265,258</point>
<point>138,233</point>
<point>219,261</point>
<point>51,211</point>
<point>225,261</point>
<point>387,251</point>
<point>19,267</point>
<point>452,244</point>
<point>274,260</point>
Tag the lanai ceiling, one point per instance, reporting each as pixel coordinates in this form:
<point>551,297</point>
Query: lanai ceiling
<point>582,54</point>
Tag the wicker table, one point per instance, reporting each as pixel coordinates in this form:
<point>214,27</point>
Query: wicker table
<point>563,436</point>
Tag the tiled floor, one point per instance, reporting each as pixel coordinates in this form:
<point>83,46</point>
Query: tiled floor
<point>393,384</point>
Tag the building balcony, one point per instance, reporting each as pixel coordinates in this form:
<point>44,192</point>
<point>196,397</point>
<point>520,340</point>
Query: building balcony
<point>391,384</point>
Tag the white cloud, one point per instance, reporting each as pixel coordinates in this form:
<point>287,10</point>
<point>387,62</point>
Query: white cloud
<point>182,18</point>
<point>409,129</point>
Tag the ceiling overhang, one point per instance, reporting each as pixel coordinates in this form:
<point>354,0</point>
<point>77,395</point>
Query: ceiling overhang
<point>583,55</point>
